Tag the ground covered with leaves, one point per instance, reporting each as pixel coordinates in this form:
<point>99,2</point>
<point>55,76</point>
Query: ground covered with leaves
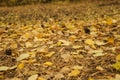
<point>78,41</point>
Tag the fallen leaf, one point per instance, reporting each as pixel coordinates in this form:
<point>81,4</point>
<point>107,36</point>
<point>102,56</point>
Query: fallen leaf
<point>50,54</point>
<point>3,68</point>
<point>48,63</point>
<point>117,77</point>
<point>40,78</point>
<point>66,57</point>
<point>40,35</point>
<point>118,57</point>
<point>59,76</point>
<point>59,43</point>
<point>110,40</point>
<point>90,42</point>
<point>98,52</point>
<point>110,21</point>
<point>117,66</point>
<point>72,38</point>
<point>90,78</point>
<point>64,42</point>
<point>76,46</point>
<point>22,56</point>
<point>20,66</point>
<point>75,72</point>
<point>26,35</point>
<point>77,67</point>
<point>28,44</point>
<point>33,77</point>
<point>14,45</point>
<point>99,68</point>
<point>65,70</point>
<point>99,43</point>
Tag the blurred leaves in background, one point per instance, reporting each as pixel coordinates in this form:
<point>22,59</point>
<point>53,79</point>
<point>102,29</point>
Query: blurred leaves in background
<point>24,2</point>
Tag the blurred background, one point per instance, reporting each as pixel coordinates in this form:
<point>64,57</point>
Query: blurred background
<point>25,2</point>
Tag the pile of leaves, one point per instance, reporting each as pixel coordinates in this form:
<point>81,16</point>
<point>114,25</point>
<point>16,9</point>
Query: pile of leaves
<point>60,42</point>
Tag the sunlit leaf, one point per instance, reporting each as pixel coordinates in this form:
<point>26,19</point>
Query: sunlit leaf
<point>117,77</point>
<point>90,42</point>
<point>65,42</point>
<point>110,40</point>
<point>77,67</point>
<point>90,78</point>
<point>74,73</point>
<point>117,66</point>
<point>48,63</point>
<point>65,70</point>
<point>118,57</point>
<point>66,57</point>
<point>99,68</point>
<point>50,54</point>
<point>20,66</point>
<point>28,44</point>
<point>26,35</point>
<point>33,77</point>
<point>40,78</point>
<point>3,68</point>
<point>22,56</point>
<point>99,43</point>
<point>59,76</point>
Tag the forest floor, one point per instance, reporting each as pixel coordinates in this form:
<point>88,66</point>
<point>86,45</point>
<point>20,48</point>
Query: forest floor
<point>77,41</point>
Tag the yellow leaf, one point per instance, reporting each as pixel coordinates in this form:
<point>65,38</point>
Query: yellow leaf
<point>33,77</point>
<point>59,43</point>
<point>109,21</point>
<point>26,35</point>
<point>50,54</point>
<point>28,44</point>
<point>76,46</point>
<point>118,57</point>
<point>40,35</point>
<point>77,67</point>
<point>74,73</point>
<point>14,45</point>
<point>90,42</point>
<point>1,77</point>
<point>23,56</point>
<point>20,66</point>
<point>99,68</point>
<point>90,78</point>
<point>48,63</point>
<point>117,66</point>
<point>4,68</point>
<point>110,40</point>
<point>72,38</point>
<point>40,78</point>
<point>65,42</point>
